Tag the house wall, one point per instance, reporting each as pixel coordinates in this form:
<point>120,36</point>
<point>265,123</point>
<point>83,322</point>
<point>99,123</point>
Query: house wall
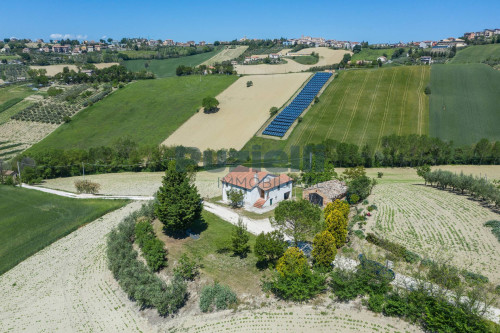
<point>278,194</point>
<point>251,196</point>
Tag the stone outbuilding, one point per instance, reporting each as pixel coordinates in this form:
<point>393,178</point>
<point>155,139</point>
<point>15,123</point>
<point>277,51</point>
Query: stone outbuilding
<point>323,193</point>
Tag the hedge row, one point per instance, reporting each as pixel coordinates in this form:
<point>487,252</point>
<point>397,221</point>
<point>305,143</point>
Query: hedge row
<point>140,284</point>
<point>396,249</point>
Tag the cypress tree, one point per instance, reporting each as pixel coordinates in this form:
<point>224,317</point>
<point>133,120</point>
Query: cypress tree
<point>179,203</point>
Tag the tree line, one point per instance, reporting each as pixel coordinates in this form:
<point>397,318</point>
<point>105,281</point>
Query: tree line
<point>114,73</point>
<point>477,187</point>
<point>126,155</point>
<point>218,68</point>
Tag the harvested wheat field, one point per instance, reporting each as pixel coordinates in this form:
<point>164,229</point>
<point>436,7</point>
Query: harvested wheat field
<point>242,111</point>
<point>26,132</point>
<point>67,287</point>
<point>326,57</point>
<point>54,69</point>
<point>227,54</point>
<point>437,224</point>
<point>343,318</point>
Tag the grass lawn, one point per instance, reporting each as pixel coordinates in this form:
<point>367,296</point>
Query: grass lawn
<point>146,111</point>
<point>30,220</point>
<point>464,103</point>
<point>360,107</point>
<point>305,60</point>
<point>242,275</point>
<point>372,54</point>
<point>477,54</point>
<point>166,67</point>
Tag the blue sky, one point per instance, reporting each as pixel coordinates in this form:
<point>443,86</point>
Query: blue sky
<point>374,21</point>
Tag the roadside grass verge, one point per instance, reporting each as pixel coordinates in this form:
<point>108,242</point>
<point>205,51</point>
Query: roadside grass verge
<point>31,220</point>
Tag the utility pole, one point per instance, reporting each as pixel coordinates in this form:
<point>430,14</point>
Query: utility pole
<point>19,173</point>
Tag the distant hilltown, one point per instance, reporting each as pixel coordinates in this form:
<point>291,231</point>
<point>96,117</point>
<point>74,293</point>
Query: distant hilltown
<point>85,46</point>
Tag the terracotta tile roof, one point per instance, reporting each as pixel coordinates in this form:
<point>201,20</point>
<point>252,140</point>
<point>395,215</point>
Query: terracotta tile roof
<point>248,178</point>
<point>244,177</point>
<point>274,182</point>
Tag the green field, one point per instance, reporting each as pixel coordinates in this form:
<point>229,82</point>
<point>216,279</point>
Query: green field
<point>477,54</point>
<point>14,91</point>
<point>31,220</point>
<point>372,54</point>
<point>464,104</point>
<point>305,60</point>
<point>362,106</point>
<point>166,67</point>
<point>146,111</point>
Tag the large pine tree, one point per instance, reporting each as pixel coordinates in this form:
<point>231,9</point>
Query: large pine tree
<point>179,203</point>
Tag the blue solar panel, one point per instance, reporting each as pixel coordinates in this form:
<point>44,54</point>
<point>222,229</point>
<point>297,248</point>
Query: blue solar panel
<point>280,125</point>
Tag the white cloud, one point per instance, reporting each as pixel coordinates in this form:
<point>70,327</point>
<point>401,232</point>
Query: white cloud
<point>67,36</point>
<point>104,37</point>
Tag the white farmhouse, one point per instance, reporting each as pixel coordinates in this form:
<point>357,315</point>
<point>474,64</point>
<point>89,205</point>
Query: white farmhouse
<point>261,189</point>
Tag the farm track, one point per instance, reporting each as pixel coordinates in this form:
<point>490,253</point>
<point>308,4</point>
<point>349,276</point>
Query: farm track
<point>370,109</point>
<point>355,108</point>
<point>386,111</point>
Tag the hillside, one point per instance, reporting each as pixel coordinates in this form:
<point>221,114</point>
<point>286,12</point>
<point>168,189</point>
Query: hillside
<point>372,54</point>
<point>477,54</point>
<point>40,219</point>
<point>464,103</point>
<point>166,67</point>
<point>145,111</point>
<point>362,106</point>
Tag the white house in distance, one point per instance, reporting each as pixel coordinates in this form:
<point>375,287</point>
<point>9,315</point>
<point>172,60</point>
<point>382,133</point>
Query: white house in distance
<point>261,189</point>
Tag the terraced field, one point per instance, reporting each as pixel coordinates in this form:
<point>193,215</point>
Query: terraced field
<point>477,54</point>
<point>362,106</point>
<point>464,103</point>
<point>438,225</point>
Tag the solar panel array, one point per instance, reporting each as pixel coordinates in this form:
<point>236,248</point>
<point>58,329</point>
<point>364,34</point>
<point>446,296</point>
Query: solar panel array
<point>280,125</point>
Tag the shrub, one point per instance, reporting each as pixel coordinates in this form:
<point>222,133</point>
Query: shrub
<point>187,268</point>
<point>152,248</point>
<point>353,198</point>
<point>472,277</point>
<point>270,247</point>
<point>324,250</point>
<point>235,197</point>
<point>427,90</point>
<point>360,234</point>
<point>294,279</point>
<point>210,104</point>
<point>239,240</point>
<point>217,296</point>
<point>336,224</point>
<point>495,228</point>
<point>376,303</point>
<point>380,174</point>
<point>249,84</point>
<point>444,275</point>
<point>348,285</point>
<point>396,249</point>
<point>273,111</point>
<point>86,186</point>
<point>67,119</point>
